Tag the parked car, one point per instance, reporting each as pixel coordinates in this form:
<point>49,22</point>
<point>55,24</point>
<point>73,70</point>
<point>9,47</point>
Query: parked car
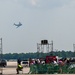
<point>3,63</point>
<point>25,63</point>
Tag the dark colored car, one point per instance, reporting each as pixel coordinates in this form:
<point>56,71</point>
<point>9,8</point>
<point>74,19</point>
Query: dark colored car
<point>3,63</point>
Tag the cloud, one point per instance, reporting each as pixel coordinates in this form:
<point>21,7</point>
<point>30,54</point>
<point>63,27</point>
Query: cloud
<point>47,4</point>
<point>29,4</point>
<point>41,4</point>
<point>34,2</point>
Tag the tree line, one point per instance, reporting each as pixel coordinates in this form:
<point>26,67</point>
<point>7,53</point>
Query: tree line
<point>25,56</point>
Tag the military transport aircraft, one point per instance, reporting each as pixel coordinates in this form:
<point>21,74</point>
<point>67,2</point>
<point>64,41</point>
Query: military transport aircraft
<point>18,25</point>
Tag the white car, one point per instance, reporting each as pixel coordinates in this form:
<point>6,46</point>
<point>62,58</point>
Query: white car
<point>25,63</point>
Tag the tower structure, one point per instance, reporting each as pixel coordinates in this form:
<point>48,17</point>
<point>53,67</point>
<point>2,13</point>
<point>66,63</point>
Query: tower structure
<point>45,46</point>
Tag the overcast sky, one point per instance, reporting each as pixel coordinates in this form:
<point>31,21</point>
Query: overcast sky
<point>41,19</point>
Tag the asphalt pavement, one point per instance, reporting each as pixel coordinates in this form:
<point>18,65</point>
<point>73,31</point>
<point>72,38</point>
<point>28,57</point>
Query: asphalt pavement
<point>10,69</point>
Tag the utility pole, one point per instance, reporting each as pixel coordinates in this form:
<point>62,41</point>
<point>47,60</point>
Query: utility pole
<point>1,57</point>
<point>74,49</point>
<point>52,47</point>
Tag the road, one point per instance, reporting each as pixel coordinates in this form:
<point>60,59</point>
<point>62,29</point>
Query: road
<point>11,69</point>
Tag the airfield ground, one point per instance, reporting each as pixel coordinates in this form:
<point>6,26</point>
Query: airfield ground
<point>11,69</point>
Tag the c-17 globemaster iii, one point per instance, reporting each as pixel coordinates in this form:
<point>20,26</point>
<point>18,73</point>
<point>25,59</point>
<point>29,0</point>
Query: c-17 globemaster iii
<point>18,25</point>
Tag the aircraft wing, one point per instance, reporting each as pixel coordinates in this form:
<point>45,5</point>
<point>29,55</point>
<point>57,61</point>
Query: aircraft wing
<point>17,26</point>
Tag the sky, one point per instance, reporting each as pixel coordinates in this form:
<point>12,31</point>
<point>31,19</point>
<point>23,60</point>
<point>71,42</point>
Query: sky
<point>41,19</point>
